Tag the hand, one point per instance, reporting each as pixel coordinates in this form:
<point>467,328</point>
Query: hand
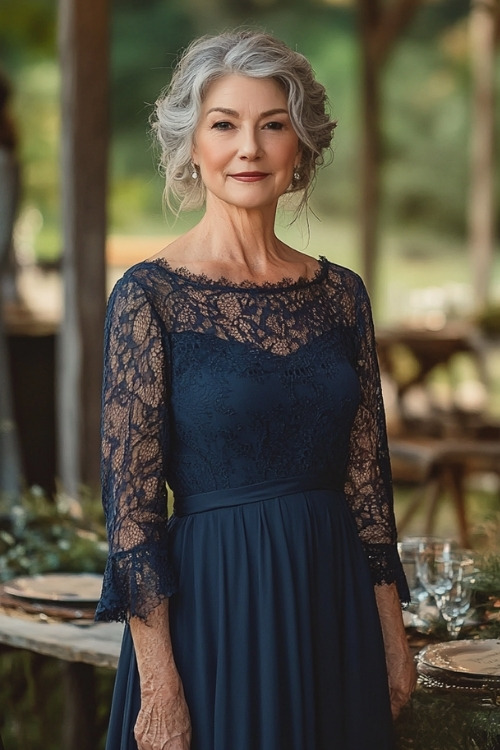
<point>402,675</point>
<point>163,721</point>
<point>400,664</point>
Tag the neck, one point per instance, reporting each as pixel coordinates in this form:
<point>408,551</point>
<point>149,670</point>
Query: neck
<point>244,239</point>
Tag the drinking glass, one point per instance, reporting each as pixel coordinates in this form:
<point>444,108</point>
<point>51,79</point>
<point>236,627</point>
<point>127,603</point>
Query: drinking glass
<point>446,573</point>
<point>418,611</point>
<point>455,602</point>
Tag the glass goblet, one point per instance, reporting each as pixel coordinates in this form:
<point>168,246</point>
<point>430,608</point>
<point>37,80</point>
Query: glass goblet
<point>455,602</point>
<point>445,572</point>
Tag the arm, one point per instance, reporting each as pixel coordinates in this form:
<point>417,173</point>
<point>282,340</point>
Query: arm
<point>369,492</point>
<point>163,722</point>
<point>139,577</point>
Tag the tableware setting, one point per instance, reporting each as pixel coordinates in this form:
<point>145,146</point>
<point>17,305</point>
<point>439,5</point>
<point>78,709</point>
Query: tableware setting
<point>472,665</point>
<point>59,595</point>
<point>447,574</point>
<point>440,577</point>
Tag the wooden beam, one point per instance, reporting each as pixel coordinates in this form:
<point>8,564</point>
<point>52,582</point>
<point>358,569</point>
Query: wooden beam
<point>84,46</point>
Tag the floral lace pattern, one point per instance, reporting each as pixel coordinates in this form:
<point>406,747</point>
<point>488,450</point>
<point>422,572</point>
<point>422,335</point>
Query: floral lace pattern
<point>210,385</point>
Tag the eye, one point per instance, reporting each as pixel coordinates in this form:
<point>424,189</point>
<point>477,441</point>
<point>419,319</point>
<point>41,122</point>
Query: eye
<point>274,125</point>
<point>222,125</point>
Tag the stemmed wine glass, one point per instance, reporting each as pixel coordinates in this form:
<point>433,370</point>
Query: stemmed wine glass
<point>446,574</point>
<point>417,609</point>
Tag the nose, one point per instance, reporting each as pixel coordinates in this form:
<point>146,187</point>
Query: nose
<point>249,145</point>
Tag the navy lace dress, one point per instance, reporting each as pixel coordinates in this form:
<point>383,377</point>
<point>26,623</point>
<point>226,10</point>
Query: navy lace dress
<point>260,407</point>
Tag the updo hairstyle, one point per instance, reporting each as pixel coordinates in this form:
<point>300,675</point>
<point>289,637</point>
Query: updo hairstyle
<point>250,53</point>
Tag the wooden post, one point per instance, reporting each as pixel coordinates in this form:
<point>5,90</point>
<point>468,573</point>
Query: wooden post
<point>84,43</point>
<point>482,163</point>
<point>369,19</point>
<point>380,26</point>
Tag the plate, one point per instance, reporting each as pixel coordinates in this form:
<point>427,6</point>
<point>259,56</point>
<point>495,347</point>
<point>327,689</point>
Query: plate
<point>65,588</point>
<point>474,658</point>
<point>473,666</point>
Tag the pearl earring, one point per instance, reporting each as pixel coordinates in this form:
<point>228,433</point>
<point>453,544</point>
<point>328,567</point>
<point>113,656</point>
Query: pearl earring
<point>194,173</point>
<point>296,175</point>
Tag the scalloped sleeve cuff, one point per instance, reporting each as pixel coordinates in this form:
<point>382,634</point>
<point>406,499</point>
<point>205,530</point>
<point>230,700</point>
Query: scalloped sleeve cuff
<point>386,568</point>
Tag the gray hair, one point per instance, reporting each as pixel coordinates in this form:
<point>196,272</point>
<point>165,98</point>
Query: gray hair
<point>250,53</point>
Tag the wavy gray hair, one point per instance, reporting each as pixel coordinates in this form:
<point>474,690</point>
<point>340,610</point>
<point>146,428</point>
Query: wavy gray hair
<point>250,53</point>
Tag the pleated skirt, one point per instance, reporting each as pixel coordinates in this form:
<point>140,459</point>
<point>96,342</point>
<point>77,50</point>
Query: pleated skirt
<point>274,628</point>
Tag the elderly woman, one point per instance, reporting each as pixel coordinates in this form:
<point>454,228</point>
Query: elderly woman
<point>265,614</point>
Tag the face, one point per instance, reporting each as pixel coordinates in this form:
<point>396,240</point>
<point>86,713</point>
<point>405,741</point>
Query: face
<point>245,145</point>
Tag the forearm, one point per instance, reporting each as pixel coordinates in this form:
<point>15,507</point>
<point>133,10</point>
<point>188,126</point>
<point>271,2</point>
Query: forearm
<point>163,722</point>
<point>153,646</point>
<point>391,619</point>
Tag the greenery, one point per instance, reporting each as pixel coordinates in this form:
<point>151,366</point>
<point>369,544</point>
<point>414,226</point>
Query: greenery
<point>47,534</point>
<point>447,720</point>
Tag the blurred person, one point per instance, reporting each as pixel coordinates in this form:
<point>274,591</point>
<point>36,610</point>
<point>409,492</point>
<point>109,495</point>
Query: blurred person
<point>10,464</point>
<point>265,613</point>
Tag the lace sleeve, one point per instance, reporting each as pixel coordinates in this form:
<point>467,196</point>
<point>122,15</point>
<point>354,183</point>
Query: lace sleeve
<point>134,449</point>
<point>369,481</point>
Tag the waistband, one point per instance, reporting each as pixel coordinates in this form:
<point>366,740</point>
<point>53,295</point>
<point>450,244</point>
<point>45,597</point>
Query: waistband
<point>251,493</point>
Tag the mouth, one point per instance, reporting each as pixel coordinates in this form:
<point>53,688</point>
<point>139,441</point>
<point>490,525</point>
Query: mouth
<point>249,176</point>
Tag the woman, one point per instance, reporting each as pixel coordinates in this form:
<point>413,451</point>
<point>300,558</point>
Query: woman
<point>244,374</point>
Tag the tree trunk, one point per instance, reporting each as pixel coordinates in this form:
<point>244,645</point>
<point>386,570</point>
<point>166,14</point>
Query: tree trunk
<point>84,43</point>
<point>481,203</point>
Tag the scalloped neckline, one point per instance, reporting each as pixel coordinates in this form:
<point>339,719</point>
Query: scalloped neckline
<point>202,279</point>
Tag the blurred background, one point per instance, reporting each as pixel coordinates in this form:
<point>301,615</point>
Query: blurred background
<point>410,202</point>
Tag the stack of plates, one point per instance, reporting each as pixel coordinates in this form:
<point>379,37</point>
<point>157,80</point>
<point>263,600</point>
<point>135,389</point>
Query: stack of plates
<point>470,665</point>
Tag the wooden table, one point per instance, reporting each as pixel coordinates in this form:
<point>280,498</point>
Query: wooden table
<point>440,448</point>
<point>81,647</point>
<point>430,349</point>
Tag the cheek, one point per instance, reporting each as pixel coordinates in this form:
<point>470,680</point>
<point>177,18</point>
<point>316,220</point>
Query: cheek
<point>212,156</point>
<point>290,154</point>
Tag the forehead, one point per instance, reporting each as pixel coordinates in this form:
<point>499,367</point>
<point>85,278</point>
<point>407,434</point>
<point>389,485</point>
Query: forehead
<point>231,89</point>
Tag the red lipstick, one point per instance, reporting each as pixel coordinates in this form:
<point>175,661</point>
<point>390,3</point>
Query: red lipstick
<point>249,176</point>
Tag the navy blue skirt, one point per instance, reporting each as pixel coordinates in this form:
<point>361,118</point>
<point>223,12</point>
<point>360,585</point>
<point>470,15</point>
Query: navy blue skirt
<point>275,628</point>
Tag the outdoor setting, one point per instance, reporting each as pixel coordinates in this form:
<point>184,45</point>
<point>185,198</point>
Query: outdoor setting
<point>407,198</point>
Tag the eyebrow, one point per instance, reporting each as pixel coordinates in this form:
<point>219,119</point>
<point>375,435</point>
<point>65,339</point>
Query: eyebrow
<point>233,113</point>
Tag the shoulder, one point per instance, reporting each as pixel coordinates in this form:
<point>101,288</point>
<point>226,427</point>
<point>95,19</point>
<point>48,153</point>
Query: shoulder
<point>346,282</point>
<point>146,283</point>
<point>342,275</point>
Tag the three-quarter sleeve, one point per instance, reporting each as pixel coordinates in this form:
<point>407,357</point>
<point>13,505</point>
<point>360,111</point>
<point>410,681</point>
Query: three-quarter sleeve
<point>134,427</point>
<point>369,481</point>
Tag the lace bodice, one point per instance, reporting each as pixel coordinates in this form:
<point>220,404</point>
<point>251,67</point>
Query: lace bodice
<point>210,385</point>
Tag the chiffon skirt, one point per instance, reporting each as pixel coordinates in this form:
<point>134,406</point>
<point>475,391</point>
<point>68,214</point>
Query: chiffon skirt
<point>274,628</point>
